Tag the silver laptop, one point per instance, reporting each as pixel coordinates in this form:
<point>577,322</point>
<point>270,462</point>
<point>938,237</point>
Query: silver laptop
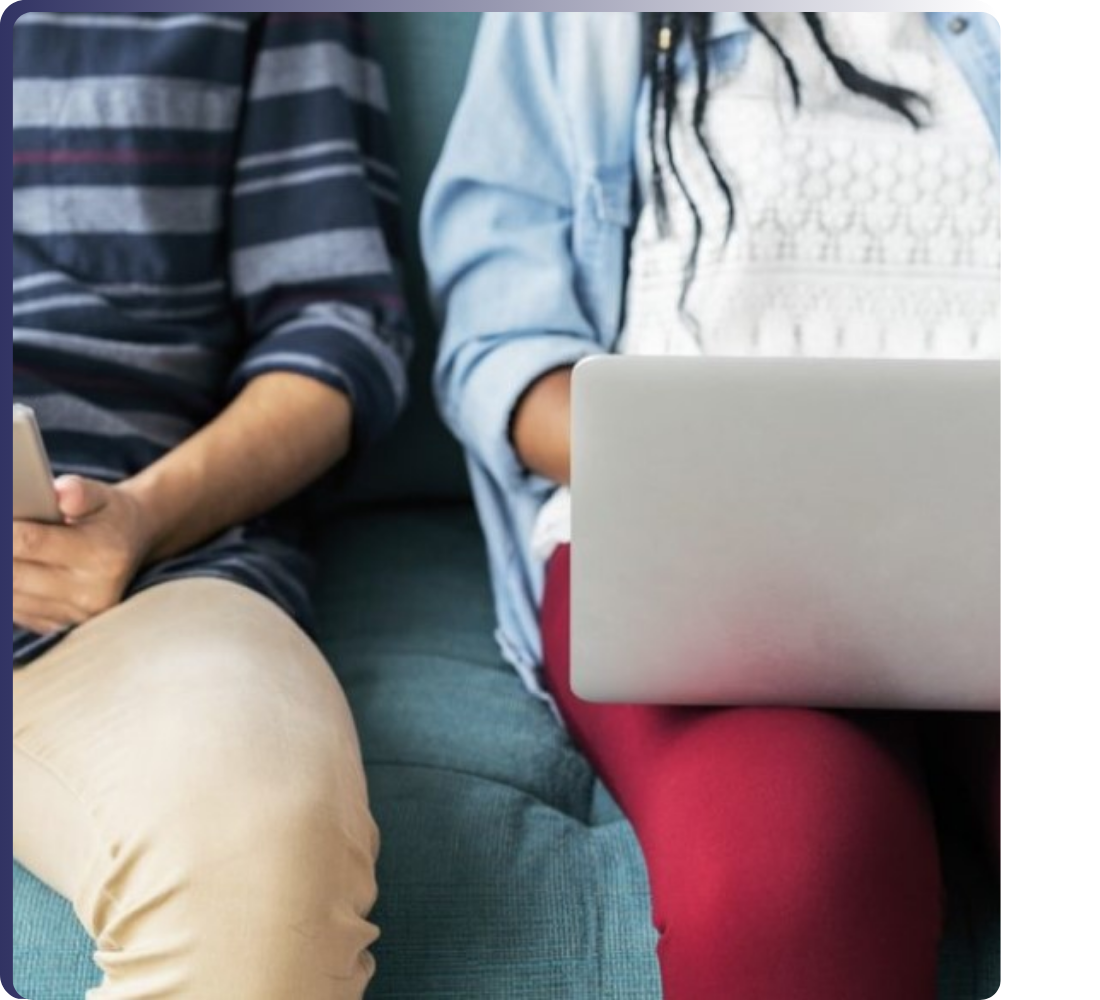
<point>787,532</point>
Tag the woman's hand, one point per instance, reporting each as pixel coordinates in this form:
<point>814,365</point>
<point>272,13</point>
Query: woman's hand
<point>65,575</point>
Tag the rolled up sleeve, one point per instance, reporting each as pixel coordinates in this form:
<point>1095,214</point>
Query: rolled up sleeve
<point>497,232</point>
<point>313,221</point>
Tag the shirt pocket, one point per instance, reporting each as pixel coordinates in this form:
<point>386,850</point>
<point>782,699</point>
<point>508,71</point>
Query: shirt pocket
<point>602,226</point>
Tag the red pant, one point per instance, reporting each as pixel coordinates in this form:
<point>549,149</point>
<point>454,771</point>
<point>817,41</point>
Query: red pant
<point>792,854</point>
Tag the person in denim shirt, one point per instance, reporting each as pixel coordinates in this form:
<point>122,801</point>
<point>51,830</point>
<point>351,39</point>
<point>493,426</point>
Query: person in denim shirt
<point>790,854</point>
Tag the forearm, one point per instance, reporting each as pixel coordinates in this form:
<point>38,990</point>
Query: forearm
<point>281,434</point>
<point>510,297</point>
<point>541,427</point>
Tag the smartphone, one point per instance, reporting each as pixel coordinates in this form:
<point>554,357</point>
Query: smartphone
<point>33,497</point>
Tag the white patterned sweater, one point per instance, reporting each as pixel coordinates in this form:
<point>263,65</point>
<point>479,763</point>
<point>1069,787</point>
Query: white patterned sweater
<point>856,235</point>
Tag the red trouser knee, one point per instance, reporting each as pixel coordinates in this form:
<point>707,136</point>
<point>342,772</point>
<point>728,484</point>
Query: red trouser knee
<point>792,854</point>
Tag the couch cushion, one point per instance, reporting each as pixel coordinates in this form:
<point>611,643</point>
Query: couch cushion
<point>51,954</point>
<point>425,58</point>
<point>506,874</point>
<point>496,882</point>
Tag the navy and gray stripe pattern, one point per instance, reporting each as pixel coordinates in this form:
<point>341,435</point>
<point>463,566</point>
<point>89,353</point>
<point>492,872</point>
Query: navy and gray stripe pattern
<point>200,199</point>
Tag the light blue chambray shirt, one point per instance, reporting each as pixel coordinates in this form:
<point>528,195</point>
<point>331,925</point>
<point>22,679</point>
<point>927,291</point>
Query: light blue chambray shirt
<point>526,229</point>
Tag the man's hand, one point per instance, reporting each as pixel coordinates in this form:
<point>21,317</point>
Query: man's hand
<point>65,575</point>
<point>279,435</point>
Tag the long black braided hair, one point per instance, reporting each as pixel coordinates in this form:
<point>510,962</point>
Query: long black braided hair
<point>664,34</point>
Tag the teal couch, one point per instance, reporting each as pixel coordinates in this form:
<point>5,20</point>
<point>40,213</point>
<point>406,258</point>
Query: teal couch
<point>507,872</point>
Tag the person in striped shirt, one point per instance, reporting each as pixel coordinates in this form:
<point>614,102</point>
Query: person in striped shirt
<point>207,322</point>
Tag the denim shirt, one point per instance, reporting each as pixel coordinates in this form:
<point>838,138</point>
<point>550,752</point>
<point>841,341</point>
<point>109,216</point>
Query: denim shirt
<point>526,230</point>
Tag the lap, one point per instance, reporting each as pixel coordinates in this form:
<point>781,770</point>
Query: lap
<point>186,693</point>
<point>205,652</point>
<point>635,738</point>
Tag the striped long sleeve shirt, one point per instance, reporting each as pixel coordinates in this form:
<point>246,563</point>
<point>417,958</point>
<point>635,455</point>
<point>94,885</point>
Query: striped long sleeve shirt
<point>200,199</point>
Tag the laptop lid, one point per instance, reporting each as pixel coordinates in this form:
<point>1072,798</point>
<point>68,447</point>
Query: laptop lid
<point>787,532</point>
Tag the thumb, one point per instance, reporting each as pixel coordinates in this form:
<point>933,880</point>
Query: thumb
<point>80,498</point>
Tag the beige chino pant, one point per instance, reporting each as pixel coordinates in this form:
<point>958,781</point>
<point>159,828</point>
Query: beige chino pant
<point>187,773</point>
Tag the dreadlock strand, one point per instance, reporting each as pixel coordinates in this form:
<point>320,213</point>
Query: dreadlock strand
<point>700,32</point>
<point>755,21</point>
<point>898,99</point>
<point>670,86</point>
<point>654,28</point>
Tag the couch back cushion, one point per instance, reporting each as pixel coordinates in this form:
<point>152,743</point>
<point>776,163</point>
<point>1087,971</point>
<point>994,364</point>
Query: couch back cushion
<point>425,57</point>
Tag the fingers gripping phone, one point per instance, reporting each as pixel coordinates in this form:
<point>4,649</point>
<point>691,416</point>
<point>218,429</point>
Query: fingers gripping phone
<point>33,497</point>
